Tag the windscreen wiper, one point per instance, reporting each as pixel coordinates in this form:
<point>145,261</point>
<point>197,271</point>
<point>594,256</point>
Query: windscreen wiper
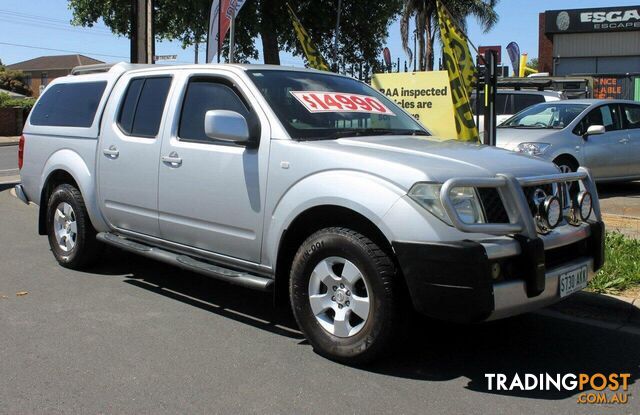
<point>358,132</point>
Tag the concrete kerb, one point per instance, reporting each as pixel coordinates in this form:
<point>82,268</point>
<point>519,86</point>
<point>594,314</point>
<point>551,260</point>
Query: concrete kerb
<point>9,141</point>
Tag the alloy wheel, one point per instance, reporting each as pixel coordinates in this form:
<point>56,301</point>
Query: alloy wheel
<point>339,296</point>
<point>65,226</point>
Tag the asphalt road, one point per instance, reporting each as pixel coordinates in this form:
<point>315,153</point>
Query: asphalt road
<point>8,160</point>
<point>135,336</point>
<point>620,198</point>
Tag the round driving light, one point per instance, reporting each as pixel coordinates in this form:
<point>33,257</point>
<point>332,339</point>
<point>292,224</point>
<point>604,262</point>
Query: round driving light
<point>495,270</point>
<point>551,212</point>
<point>585,205</point>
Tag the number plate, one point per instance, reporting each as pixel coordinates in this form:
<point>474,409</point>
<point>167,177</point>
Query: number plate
<point>572,281</point>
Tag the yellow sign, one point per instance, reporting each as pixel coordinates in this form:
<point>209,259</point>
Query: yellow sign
<point>425,95</point>
<point>313,55</point>
<point>457,59</point>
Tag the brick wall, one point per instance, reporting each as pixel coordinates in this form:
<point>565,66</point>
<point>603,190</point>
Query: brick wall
<point>12,121</point>
<point>545,48</point>
<point>36,78</point>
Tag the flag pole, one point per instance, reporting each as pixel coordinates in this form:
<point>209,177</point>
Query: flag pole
<point>232,32</point>
<point>218,37</point>
<point>460,30</point>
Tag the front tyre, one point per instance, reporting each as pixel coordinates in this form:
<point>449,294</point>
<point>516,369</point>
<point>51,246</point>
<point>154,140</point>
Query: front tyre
<point>71,236</point>
<point>344,296</point>
<point>566,164</point>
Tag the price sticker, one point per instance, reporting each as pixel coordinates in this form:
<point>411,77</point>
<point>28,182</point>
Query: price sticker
<point>321,101</point>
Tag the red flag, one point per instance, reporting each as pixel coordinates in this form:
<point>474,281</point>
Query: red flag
<point>218,27</point>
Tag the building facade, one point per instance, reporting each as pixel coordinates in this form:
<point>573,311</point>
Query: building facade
<point>40,71</point>
<point>600,42</point>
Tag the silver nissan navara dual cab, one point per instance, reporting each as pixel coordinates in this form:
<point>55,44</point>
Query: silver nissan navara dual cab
<point>310,185</point>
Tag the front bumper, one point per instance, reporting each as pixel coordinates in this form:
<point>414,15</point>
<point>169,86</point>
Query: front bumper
<point>453,280</point>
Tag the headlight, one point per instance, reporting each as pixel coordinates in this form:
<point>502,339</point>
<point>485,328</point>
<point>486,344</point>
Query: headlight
<point>533,149</point>
<point>465,201</point>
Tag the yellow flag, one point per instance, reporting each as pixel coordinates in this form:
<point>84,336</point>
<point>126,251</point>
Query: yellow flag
<point>313,56</point>
<point>458,62</point>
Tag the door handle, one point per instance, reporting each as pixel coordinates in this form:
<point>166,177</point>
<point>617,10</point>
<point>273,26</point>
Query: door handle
<point>111,152</point>
<point>172,159</point>
<point>623,140</point>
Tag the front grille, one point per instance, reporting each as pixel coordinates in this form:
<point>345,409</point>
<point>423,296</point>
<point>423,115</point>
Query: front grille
<point>493,206</point>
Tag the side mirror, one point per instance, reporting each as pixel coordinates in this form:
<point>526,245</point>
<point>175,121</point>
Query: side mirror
<point>226,125</point>
<point>595,130</point>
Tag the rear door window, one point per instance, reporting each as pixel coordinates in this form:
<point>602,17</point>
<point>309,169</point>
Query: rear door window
<point>143,106</point>
<point>69,105</point>
<point>522,101</point>
<point>501,104</point>
<point>632,116</point>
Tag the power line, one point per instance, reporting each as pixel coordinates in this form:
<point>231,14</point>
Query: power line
<point>46,26</point>
<point>41,18</point>
<point>33,15</point>
<point>63,50</point>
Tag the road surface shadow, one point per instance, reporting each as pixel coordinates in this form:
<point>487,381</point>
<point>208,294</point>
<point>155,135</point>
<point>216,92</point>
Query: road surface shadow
<point>241,304</point>
<point>624,189</point>
<point>432,351</point>
<point>530,343</point>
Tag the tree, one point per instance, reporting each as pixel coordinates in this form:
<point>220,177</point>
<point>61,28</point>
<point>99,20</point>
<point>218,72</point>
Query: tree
<point>363,29</point>
<point>533,64</point>
<point>13,81</point>
<point>428,27</point>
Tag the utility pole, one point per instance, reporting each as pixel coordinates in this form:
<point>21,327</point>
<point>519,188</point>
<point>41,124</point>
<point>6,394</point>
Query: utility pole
<point>142,32</point>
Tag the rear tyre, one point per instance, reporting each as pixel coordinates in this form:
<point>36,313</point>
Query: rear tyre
<point>344,296</point>
<point>71,236</point>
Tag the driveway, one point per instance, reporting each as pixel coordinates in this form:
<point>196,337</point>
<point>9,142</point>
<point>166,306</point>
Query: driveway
<point>136,336</point>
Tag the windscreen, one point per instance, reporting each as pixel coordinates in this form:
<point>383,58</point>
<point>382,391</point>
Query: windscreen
<point>548,115</point>
<point>317,106</point>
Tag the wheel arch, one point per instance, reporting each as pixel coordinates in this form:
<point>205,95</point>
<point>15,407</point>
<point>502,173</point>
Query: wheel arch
<point>67,166</point>
<point>567,156</point>
<point>312,220</point>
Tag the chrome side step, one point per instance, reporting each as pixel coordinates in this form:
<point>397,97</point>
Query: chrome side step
<point>231,276</point>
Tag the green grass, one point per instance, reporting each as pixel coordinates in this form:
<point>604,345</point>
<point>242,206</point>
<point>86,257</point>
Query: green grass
<point>621,270</point>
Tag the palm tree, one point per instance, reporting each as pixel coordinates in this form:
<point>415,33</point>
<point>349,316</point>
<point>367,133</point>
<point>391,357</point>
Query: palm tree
<point>428,28</point>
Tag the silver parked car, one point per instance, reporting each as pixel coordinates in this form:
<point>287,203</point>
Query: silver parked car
<point>602,135</point>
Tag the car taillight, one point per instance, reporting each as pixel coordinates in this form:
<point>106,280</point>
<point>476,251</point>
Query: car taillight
<point>21,152</point>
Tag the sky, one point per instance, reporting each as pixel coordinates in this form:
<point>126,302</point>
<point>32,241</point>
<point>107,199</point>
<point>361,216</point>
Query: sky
<point>32,28</point>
